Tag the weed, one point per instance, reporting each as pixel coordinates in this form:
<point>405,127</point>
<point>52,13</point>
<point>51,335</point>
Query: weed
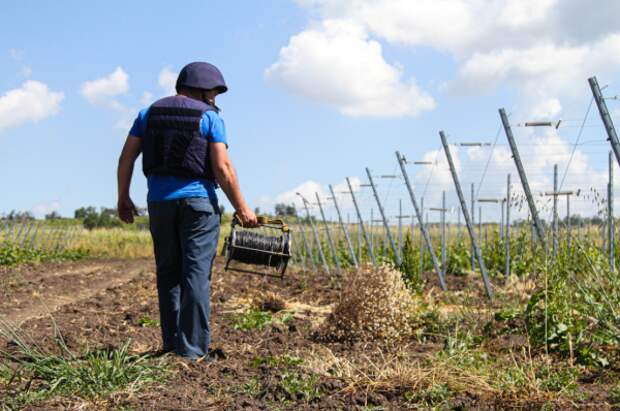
<point>12,254</point>
<point>614,394</point>
<point>32,374</point>
<point>252,319</point>
<point>252,387</point>
<point>557,379</point>
<point>576,313</point>
<point>286,318</point>
<point>147,321</point>
<point>432,396</point>
<point>300,387</point>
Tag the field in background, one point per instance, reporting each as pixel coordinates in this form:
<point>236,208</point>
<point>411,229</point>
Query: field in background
<point>85,333</point>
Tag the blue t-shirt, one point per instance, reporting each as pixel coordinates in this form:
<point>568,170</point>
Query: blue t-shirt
<point>164,188</point>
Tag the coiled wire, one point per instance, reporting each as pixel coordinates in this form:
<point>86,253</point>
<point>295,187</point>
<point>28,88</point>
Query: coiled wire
<point>255,248</point>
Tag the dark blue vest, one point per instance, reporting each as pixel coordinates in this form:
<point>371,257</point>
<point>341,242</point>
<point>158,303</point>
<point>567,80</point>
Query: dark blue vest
<point>172,144</point>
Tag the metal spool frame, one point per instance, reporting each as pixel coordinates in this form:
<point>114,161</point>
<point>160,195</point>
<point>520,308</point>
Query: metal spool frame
<point>235,251</point>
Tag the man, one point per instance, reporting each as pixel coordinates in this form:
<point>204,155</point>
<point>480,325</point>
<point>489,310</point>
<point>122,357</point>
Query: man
<point>184,157</point>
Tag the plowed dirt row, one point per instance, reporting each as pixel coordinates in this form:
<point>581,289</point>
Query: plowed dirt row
<point>36,292</point>
<point>103,304</point>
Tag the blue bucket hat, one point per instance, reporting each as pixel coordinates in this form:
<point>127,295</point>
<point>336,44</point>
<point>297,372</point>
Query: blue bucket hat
<point>203,76</point>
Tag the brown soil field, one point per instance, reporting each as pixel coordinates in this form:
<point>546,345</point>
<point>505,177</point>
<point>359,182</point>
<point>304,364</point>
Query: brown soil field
<point>99,304</point>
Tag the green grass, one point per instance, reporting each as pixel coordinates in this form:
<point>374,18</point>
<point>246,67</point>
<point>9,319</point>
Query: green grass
<point>12,255</point>
<point>276,361</point>
<point>435,395</point>
<point>252,319</point>
<point>147,321</point>
<point>252,387</point>
<point>30,374</point>
<point>300,387</point>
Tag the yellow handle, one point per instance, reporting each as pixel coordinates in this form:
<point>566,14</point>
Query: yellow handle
<point>266,220</point>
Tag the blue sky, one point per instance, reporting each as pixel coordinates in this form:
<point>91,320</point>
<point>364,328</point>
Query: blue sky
<point>318,91</point>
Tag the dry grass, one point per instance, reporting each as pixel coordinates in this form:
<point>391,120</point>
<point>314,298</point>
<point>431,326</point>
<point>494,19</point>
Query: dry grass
<point>512,381</point>
<point>269,301</point>
<point>114,242</point>
<point>373,304</point>
<point>402,370</point>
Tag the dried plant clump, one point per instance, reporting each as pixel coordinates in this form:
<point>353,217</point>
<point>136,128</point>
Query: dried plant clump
<point>269,301</point>
<point>374,304</point>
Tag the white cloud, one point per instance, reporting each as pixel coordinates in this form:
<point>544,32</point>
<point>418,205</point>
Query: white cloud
<point>167,81</point>
<point>306,189</point>
<point>101,91</point>
<point>41,209</point>
<point>31,102</point>
<point>338,64</point>
<point>543,69</point>
<point>461,27</point>
<point>544,48</point>
<point>523,13</point>
<point>546,109</point>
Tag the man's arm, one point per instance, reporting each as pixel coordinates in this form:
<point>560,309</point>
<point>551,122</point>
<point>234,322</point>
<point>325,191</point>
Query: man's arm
<point>131,150</point>
<point>226,177</point>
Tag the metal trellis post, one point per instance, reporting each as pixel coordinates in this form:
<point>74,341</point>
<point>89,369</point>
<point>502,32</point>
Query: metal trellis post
<point>605,117</point>
<point>443,232</point>
<point>501,222</point>
<point>344,228</point>
<point>473,222</point>
<point>302,228</point>
<point>372,230</point>
<point>385,222</point>
<point>400,227</point>
<point>610,214</point>
<point>418,214</point>
<point>328,232</point>
<point>507,230</point>
<point>555,210</point>
<point>540,232</point>
<point>317,240</point>
<point>361,223</point>
<point>422,241</point>
<point>459,192</point>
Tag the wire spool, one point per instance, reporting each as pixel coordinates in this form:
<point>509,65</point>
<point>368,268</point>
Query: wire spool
<point>250,246</point>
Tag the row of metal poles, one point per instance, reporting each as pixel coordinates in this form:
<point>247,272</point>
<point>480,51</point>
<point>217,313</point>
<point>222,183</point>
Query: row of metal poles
<point>504,225</point>
<point>37,235</point>
<point>468,215</point>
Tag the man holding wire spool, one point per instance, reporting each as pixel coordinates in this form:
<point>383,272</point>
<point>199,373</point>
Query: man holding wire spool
<point>184,157</point>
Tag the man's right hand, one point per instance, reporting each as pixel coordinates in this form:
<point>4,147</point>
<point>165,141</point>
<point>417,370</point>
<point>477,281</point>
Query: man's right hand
<point>126,210</point>
<point>247,218</point>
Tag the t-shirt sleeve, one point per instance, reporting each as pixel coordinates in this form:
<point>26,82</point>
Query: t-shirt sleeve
<point>139,125</point>
<point>212,127</point>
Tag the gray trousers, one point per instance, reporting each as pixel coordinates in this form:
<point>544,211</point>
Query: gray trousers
<point>185,235</point>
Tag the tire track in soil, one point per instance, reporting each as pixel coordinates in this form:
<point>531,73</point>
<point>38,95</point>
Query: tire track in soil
<point>40,293</point>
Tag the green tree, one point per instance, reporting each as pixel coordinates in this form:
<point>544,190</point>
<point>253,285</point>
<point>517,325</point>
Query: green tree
<point>283,209</point>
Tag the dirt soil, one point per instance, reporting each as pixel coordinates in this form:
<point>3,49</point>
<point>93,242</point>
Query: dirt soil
<point>104,303</point>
